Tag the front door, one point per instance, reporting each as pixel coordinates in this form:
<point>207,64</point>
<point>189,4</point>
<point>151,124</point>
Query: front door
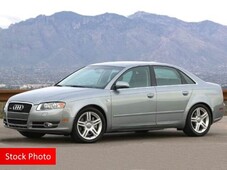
<point>134,106</point>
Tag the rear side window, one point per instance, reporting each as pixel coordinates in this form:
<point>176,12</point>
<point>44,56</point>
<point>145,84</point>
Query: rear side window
<point>167,76</point>
<point>187,80</point>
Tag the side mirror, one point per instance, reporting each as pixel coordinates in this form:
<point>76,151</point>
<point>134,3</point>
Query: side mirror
<point>121,85</point>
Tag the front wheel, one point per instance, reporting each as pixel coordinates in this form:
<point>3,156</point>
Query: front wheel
<point>32,134</point>
<point>89,126</point>
<point>198,121</point>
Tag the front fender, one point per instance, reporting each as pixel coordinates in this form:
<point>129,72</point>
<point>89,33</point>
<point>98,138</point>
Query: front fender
<point>103,102</point>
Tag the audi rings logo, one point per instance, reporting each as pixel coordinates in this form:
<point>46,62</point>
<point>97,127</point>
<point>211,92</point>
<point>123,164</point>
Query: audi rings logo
<point>18,107</point>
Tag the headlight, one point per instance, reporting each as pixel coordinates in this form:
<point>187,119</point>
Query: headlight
<point>50,106</point>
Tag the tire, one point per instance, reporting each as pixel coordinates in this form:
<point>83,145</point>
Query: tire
<point>32,135</point>
<point>198,121</point>
<point>89,126</point>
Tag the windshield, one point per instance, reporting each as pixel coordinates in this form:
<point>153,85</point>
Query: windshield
<point>91,77</point>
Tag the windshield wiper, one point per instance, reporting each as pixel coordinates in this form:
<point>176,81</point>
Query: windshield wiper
<point>76,86</point>
<point>79,86</point>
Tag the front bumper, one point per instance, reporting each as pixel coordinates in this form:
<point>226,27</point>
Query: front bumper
<point>56,121</point>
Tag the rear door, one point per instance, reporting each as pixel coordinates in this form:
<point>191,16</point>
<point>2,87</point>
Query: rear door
<point>173,93</point>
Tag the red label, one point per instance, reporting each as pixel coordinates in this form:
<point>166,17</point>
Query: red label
<point>27,156</point>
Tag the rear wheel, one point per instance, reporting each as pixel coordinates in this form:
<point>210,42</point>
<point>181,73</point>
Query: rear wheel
<point>89,126</point>
<point>32,134</point>
<point>198,121</point>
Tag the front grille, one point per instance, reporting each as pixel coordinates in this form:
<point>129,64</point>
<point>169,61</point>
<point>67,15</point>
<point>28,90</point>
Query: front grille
<point>17,115</point>
<point>19,107</point>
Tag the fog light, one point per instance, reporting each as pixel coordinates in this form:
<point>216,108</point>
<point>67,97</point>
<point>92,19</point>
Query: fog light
<point>4,121</point>
<point>48,124</point>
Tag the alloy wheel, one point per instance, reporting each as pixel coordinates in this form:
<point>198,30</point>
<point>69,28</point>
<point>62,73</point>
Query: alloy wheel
<point>89,125</point>
<point>200,120</point>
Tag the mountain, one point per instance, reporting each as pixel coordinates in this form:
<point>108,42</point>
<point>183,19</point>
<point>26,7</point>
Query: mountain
<point>65,41</point>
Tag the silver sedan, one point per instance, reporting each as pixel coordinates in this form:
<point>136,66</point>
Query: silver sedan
<point>117,96</point>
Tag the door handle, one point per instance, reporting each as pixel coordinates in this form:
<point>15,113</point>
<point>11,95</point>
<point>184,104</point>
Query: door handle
<point>150,95</point>
<point>185,93</point>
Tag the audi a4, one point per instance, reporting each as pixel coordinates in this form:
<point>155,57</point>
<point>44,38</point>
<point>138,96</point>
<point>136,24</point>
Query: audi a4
<point>117,96</point>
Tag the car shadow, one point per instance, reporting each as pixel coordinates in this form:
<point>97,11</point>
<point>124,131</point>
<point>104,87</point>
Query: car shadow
<point>132,136</point>
<point>48,139</point>
<point>107,138</point>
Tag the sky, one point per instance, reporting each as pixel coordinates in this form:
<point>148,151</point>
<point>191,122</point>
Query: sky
<point>12,11</point>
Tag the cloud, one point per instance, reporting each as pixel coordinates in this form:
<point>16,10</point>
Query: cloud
<point>6,21</point>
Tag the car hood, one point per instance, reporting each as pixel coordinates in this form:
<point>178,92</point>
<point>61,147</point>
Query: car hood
<point>55,94</point>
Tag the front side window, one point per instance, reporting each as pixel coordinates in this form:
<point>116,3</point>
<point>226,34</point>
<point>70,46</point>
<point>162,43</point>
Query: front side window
<point>137,77</point>
<point>166,76</point>
<point>91,77</point>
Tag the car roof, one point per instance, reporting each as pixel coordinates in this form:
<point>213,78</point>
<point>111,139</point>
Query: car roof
<point>131,63</point>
